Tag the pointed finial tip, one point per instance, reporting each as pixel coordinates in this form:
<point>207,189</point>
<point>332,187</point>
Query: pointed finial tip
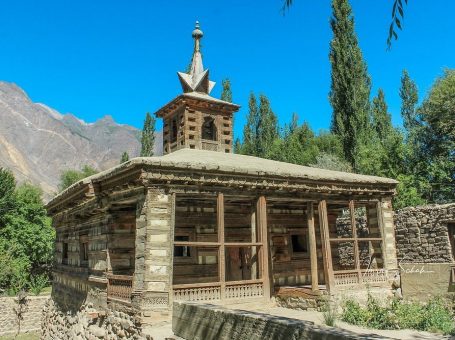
<point>197,33</point>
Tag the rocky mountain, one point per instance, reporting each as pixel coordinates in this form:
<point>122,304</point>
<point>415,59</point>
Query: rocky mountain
<point>37,143</point>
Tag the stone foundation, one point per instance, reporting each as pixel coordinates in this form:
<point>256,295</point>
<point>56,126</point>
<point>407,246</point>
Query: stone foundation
<point>32,315</point>
<point>301,303</point>
<point>88,323</point>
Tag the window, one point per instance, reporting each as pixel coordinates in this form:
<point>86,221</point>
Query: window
<point>83,250</point>
<point>209,129</point>
<point>182,251</point>
<point>65,253</point>
<point>299,243</point>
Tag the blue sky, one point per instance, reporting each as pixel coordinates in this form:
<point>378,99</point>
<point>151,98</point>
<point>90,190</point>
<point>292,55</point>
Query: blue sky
<point>93,58</point>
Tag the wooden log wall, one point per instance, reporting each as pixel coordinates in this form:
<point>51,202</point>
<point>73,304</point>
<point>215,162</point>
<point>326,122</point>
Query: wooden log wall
<point>196,221</point>
<point>121,241</point>
<point>291,269</point>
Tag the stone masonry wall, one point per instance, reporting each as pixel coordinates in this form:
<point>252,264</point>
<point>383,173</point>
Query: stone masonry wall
<point>32,315</point>
<point>88,323</point>
<point>422,234</point>
<point>211,322</point>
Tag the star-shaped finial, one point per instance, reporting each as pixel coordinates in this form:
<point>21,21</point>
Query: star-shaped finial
<point>198,79</point>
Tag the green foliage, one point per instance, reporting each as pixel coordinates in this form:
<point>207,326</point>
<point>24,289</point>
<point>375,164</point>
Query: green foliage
<point>330,314</point>
<point>407,192</point>
<point>7,186</point>
<point>433,316</point>
<point>148,136</point>
<point>69,177</point>
<point>13,270</point>
<point>38,283</point>
<point>26,236</point>
<point>397,17</point>
<point>350,82</point>
<point>125,157</point>
<point>261,130</point>
<point>226,94</point>
<point>409,98</point>
<point>331,162</point>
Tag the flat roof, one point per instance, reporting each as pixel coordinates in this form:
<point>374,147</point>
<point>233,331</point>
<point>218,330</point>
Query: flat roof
<point>192,159</point>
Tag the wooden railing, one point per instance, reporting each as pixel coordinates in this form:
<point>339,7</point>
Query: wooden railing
<point>119,287</point>
<point>354,277</point>
<point>213,291</point>
<point>241,290</point>
<point>209,145</point>
<point>200,292</point>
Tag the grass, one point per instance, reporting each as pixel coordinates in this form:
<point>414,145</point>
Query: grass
<point>24,336</point>
<point>434,316</point>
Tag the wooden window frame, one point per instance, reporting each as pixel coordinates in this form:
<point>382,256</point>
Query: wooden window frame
<point>193,258</point>
<point>65,251</point>
<point>83,250</point>
<point>299,255</point>
<point>355,239</point>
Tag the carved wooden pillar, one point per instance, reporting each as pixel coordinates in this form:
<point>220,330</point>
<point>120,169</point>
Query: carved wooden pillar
<point>221,240</point>
<point>356,244</point>
<point>313,249</point>
<point>326,250</point>
<point>261,212</point>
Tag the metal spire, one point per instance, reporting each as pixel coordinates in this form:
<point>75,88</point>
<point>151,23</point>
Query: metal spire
<point>198,79</point>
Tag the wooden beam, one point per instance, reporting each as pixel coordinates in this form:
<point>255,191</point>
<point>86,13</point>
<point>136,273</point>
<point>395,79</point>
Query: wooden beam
<point>313,250</point>
<point>261,212</point>
<point>221,239</point>
<point>356,245</point>
<point>325,241</point>
<point>254,238</point>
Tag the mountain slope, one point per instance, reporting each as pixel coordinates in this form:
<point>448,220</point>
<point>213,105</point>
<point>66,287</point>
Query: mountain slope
<point>37,143</point>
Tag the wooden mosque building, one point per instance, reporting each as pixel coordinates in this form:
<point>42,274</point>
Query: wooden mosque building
<point>203,224</point>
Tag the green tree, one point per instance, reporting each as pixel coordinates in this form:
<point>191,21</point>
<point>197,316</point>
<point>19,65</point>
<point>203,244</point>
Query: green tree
<point>249,146</point>
<point>125,157</point>
<point>226,94</point>
<point>237,146</point>
<point>148,136</point>
<point>7,186</point>
<point>26,238</point>
<point>350,82</point>
<point>381,119</point>
<point>267,127</point>
<point>69,177</point>
<point>409,98</point>
<point>437,137</point>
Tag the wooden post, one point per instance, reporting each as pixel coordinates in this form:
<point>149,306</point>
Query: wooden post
<point>254,257</point>
<point>356,244</point>
<point>221,240</point>
<point>313,249</point>
<point>326,250</point>
<point>265,252</point>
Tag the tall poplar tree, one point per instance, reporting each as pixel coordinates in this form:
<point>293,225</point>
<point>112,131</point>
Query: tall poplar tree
<point>148,136</point>
<point>409,98</point>
<point>381,119</point>
<point>350,82</point>
<point>249,146</point>
<point>226,94</point>
<point>267,127</point>
<point>125,157</point>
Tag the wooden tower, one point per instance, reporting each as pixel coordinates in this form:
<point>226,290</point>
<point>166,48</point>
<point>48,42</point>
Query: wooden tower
<point>194,119</point>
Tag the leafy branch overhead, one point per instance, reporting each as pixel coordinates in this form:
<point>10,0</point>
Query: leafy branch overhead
<point>397,17</point>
